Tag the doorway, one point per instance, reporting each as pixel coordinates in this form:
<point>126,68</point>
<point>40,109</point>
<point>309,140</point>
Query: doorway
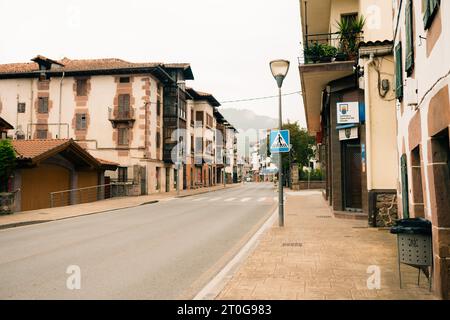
<point>352,177</point>
<point>167,179</point>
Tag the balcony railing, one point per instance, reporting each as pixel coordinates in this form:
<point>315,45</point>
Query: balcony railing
<point>330,47</point>
<point>121,116</point>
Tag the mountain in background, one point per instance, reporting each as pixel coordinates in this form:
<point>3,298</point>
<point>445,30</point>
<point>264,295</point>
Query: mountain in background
<point>247,119</point>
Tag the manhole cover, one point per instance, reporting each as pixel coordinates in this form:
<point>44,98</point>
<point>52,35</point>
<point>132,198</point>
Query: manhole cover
<point>323,217</point>
<point>292,244</point>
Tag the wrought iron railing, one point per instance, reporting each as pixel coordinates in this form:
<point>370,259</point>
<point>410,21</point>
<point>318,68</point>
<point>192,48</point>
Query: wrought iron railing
<point>118,114</point>
<point>330,47</point>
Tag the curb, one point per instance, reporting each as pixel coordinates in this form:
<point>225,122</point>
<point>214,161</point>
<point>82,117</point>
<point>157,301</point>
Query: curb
<point>214,287</point>
<point>27,223</point>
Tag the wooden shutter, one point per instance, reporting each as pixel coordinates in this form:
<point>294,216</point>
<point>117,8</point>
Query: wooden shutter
<point>409,62</point>
<point>398,72</point>
<point>431,9</point>
<point>405,195</point>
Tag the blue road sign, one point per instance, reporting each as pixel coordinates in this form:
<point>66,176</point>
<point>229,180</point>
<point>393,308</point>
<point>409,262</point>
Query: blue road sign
<point>279,141</point>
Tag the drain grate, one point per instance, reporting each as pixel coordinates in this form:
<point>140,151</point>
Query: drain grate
<point>323,217</point>
<point>360,227</point>
<point>292,244</point>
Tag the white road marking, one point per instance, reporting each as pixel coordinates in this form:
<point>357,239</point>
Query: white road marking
<point>246,199</point>
<point>215,199</point>
<point>262,199</point>
<point>199,199</point>
<point>230,199</point>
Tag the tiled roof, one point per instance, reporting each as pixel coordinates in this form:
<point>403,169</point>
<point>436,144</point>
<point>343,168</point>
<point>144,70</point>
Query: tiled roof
<point>200,95</point>
<point>78,65</point>
<point>106,162</point>
<point>5,124</point>
<point>29,149</point>
<point>375,43</point>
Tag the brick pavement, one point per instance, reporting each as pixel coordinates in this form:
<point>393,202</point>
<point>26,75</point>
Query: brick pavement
<point>317,256</point>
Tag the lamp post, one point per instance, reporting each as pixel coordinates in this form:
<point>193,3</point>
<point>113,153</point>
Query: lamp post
<point>279,70</point>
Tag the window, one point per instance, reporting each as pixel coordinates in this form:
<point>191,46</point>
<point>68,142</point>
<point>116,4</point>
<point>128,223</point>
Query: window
<point>350,17</point>
<point>123,174</point>
<point>124,80</point>
<point>81,121</point>
<point>21,107</point>
<point>158,108</point>
<point>124,104</point>
<point>158,140</point>
<point>192,144</point>
<point>43,105</point>
<point>409,62</point>
<point>192,118</point>
<point>398,72</point>
<point>123,136</point>
<point>41,134</point>
<point>199,117</point>
<point>81,87</point>
<point>431,9</point>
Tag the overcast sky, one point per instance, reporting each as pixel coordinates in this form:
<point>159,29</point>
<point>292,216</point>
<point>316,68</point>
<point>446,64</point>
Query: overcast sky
<point>229,43</point>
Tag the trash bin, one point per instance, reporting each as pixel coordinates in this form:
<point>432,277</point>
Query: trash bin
<point>414,244</point>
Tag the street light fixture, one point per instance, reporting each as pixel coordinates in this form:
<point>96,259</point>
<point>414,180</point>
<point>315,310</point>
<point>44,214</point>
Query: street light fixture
<point>279,70</point>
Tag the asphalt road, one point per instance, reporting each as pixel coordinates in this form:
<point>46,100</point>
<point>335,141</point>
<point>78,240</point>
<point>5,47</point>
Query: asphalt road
<point>168,250</point>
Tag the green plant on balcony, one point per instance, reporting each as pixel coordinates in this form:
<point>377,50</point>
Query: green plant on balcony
<point>322,52</point>
<point>349,31</point>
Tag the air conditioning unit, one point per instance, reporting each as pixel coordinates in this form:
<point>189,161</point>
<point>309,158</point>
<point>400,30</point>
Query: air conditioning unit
<point>411,93</point>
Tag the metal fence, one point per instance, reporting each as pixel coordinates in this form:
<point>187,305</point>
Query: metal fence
<point>91,194</point>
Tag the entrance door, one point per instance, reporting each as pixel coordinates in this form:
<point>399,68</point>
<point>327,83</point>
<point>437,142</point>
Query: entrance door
<point>352,181</point>
<point>167,180</point>
<point>405,195</point>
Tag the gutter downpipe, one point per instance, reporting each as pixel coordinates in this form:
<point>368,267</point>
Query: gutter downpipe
<point>60,104</point>
<point>368,121</point>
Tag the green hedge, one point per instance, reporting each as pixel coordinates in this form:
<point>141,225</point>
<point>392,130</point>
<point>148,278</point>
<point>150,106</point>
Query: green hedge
<point>316,175</point>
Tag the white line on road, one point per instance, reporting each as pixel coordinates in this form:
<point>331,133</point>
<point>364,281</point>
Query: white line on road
<point>246,199</point>
<point>230,199</point>
<point>199,199</point>
<point>215,199</point>
<point>262,199</point>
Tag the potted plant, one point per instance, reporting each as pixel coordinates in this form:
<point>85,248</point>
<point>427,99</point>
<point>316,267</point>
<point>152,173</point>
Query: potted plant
<point>312,52</point>
<point>328,53</point>
<point>349,31</point>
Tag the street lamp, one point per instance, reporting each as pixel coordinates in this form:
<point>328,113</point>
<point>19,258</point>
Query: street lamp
<point>279,70</point>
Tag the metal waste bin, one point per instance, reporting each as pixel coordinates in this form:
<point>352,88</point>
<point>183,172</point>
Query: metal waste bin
<point>414,244</point>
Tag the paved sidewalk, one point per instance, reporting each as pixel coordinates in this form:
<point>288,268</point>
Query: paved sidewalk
<point>52,214</point>
<point>317,256</point>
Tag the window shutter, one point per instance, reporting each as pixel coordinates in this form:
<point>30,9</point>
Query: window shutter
<point>409,63</point>
<point>405,195</point>
<point>430,12</point>
<point>398,72</point>
<point>78,121</point>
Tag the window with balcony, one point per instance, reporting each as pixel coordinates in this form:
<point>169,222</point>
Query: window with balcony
<point>409,53</point>
<point>199,117</point>
<point>124,80</point>
<point>124,106</point>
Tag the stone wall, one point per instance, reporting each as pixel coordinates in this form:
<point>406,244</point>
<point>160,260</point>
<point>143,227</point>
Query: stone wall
<point>303,185</point>
<point>385,209</point>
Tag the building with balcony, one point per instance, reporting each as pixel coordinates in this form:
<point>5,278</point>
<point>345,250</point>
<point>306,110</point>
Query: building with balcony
<point>111,107</point>
<point>421,45</point>
<point>347,78</point>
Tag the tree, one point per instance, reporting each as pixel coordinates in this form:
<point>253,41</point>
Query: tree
<point>7,163</point>
<point>302,145</point>
<point>302,150</point>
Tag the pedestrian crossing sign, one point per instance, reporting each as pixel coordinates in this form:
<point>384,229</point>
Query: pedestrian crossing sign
<point>279,141</point>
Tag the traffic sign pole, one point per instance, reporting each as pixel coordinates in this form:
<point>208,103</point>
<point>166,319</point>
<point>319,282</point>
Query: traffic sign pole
<point>280,168</point>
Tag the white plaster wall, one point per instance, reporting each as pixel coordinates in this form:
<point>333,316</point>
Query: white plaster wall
<point>430,70</point>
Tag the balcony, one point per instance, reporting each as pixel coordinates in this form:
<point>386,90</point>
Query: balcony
<point>330,47</point>
<point>325,57</point>
<point>121,116</point>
